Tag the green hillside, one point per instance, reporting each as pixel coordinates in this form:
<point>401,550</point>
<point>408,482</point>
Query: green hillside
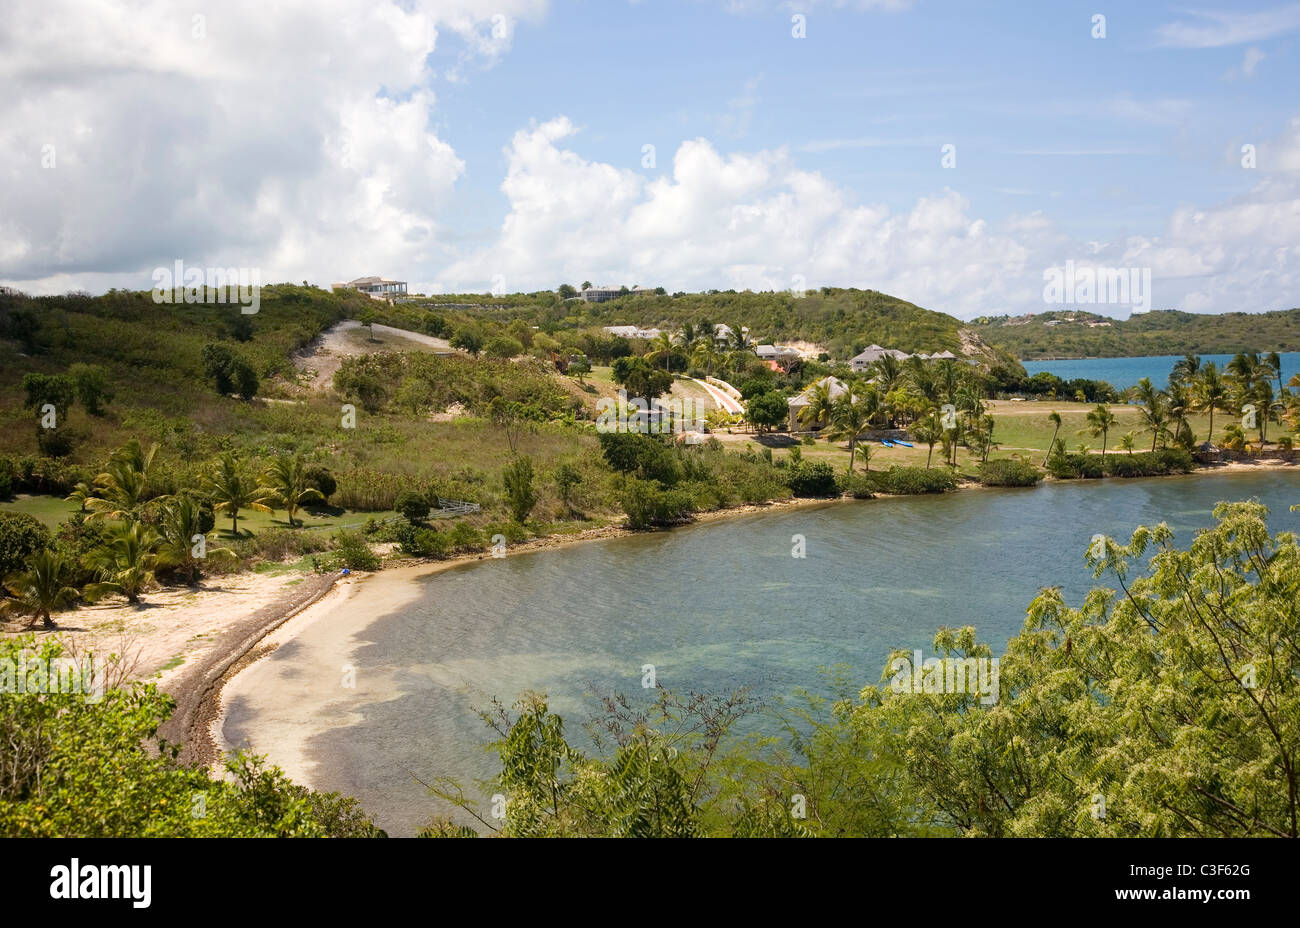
<point>1088,335</point>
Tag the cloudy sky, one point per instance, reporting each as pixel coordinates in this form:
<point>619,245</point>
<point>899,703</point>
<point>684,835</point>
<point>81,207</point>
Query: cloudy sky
<point>467,145</point>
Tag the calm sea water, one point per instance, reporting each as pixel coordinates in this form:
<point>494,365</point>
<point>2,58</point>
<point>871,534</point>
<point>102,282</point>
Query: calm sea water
<point>1125,372</point>
<point>714,608</point>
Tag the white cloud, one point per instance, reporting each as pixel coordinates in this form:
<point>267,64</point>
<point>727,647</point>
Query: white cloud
<point>1249,62</point>
<point>1220,28</point>
<point>756,220</point>
<point>296,137</point>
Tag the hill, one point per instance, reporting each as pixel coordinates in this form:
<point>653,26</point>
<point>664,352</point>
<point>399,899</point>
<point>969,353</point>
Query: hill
<point>1055,335</point>
<point>840,321</point>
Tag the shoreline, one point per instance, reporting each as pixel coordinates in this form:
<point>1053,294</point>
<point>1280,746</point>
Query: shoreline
<point>210,713</point>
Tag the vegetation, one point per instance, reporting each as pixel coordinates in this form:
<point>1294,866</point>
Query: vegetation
<point>1080,334</point>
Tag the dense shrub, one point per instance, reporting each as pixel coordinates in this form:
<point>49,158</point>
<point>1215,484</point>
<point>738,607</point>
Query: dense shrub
<point>648,503</point>
<point>352,551</point>
<point>422,542</point>
<point>914,480</point>
<point>320,478</point>
<point>21,536</point>
<point>414,506</point>
<point>1007,472</point>
<point>1145,464</point>
<point>1075,466</point>
<point>859,486</point>
<point>812,478</point>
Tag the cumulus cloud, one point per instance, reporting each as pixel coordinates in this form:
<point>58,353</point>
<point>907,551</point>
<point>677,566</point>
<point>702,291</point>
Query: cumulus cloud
<point>296,137</point>
<point>757,220</point>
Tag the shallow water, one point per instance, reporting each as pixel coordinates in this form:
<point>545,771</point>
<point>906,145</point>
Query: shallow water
<point>713,607</point>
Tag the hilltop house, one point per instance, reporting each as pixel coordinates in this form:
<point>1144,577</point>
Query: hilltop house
<point>797,404</point>
<point>378,288</point>
<point>632,331</point>
<point>600,294</point>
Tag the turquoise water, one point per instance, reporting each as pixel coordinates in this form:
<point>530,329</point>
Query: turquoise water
<point>1125,372</point>
<point>714,607</point>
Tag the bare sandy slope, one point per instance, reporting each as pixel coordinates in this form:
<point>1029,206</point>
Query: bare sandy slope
<point>319,360</point>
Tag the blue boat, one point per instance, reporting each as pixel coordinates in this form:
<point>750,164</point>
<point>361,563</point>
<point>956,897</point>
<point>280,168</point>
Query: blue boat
<point>886,442</point>
<point>905,444</point>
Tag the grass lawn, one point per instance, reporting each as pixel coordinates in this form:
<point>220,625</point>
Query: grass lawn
<point>1020,430</point>
<point>51,511</point>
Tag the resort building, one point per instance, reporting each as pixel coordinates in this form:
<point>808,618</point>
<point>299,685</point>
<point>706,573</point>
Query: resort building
<point>874,353</point>
<point>797,404</point>
<point>379,288</point>
<point>600,294</point>
<point>632,331</point>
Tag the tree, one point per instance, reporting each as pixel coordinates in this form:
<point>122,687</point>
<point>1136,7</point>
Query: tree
<point>367,318</point>
<point>767,410</point>
<point>245,379</point>
<point>1055,418</point>
<point>21,536</point>
<point>566,478</point>
<point>413,505</point>
<point>125,562</point>
<point>1211,394</point>
<point>468,339</point>
<point>928,430</point>
<point>1154,409</point>
<point>566,292</point>
<point>92,386</point>
<point>183,530</point>
<point>57,390</point>
<point>521,495</point>
<point>639,379</point>
<point>580,367</point>
<point>820,405</point>
<point>40,589</point>
<point>217,360</point>
<point>120,489</point>
<point>1127,441</point>
<point>232,489</point>
<point>849,419</point>
<point>286,479</point>
<point>1100,421</point>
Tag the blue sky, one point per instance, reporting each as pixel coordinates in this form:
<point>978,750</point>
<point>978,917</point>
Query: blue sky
<point>461,159</point>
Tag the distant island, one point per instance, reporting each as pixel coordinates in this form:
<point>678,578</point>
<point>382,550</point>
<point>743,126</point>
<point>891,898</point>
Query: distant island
<point>1061,335</point>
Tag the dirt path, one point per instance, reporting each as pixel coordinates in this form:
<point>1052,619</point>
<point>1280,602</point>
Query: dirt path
<point>319,360</point>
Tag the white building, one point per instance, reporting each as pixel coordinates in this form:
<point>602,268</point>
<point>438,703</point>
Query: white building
<point>797,404</point>
<point>379,288</point>
<point>600,294</point>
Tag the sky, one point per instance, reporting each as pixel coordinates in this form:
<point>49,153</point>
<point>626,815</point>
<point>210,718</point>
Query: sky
<point>950,152</point>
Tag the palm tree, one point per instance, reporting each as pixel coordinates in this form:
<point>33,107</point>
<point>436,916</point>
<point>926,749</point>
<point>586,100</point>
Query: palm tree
<point>849,419</point>
<point>704,354</point>
<point>928,430</point>
<point>1186,369</point>
<point>286,480</point>
<point>125,562</point>
<point>181,529</point>
<point>1126,441</point>
<point>39,590</point>
<point>1054,418</point>
<point>1179,404</point>
<point>1100,421</point>
<point>1211,393</point>
<point>663,347</point>
<point>232,490</point>
<point>1154,408</point>
<point>820,405</point>
<point>80,493</point>
<point>121,487</point>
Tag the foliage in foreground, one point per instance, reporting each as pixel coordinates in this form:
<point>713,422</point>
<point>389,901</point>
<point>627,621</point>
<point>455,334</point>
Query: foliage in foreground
<point>77,767</point>
<point>1168,707</point>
